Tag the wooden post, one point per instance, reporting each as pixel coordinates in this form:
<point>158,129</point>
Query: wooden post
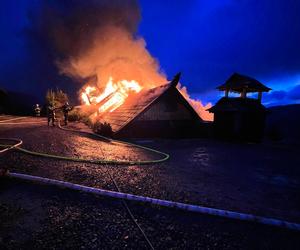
<point>259,96</point>
<point>226,92</point>
<point>244,94</point>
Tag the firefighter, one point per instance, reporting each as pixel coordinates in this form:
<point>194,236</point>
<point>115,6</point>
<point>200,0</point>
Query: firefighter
<point>66,109</point>
<point>37,110</point>
<point>51,114</point>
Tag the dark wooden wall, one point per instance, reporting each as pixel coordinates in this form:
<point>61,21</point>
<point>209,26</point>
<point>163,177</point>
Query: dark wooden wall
<point>247,126</point>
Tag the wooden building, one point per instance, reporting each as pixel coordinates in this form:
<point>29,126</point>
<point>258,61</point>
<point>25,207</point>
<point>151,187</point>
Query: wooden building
<point>156,112</point>
<point>241,118</point>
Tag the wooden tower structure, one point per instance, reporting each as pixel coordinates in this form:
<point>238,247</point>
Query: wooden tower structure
<point>243,117</point>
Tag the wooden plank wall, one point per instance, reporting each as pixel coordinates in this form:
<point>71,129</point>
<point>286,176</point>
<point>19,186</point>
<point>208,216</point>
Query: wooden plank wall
<point>166,111</point>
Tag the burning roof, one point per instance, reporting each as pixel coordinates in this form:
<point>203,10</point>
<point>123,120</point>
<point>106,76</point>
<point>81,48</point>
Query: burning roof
<point>133,107</point>
<point>139,103</point>
<point>130,97</point>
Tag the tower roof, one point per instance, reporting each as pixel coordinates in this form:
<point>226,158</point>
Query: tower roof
<point>237,83</point>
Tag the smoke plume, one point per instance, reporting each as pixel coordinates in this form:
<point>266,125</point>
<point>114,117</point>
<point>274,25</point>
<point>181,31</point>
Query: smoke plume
<point>99,39</point>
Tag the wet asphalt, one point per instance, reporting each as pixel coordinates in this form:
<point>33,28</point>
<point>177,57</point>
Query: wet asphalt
<point>260,179</point>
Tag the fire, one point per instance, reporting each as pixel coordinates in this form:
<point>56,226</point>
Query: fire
<point>86,95</point>
<point>197,105</point>
<point>115,93</point>
<point>113,96</point>
<point>113,52</point>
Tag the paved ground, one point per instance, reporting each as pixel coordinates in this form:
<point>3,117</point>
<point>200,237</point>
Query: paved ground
<point>261,179</point>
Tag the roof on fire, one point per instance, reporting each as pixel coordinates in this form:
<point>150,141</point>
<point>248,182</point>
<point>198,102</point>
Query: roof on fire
<point>137,104</point>
<point>238,82</point>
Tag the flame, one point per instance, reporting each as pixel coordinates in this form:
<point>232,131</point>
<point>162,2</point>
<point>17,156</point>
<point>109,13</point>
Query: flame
<point>197,105</point>
<point>86,95</point>
<point>113,96</point>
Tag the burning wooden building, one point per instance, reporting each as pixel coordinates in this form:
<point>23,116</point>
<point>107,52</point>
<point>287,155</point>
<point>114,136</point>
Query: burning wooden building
<point>240,117</point>
<point>158,112</point>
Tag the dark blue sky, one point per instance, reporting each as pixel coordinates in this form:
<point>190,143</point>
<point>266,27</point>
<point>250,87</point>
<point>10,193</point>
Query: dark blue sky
<point>209,40</point>
<point>205,40</point>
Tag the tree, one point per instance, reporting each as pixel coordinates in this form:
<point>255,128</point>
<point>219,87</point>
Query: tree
<point>57,98</point>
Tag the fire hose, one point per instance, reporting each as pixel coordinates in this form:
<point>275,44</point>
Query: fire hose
<point>164,203</point>
<point>106,162</point>
<point>165,156</point>
<point>12,119</point>
<point>126,206</point>
<point>7,147</point>
<point>125,196</point>
<point>9,121</point>
<point>113,180</point>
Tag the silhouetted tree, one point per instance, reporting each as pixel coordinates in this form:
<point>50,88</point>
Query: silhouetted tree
<point>56,98</point>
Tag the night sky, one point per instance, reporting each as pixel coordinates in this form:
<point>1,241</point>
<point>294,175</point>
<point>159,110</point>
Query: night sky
<point>206,40</point>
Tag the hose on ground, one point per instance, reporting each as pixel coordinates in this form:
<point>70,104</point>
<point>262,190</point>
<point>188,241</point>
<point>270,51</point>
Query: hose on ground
<point>125,196</point>
<point>113,180</point>
<point>9,147</point>
<point>22,123</point>
<point>165,156</point>
<point>12,119</point>
<point>66,158</point>
<point>164,203</point>
<point>126,205</point>
<point>19,142</point>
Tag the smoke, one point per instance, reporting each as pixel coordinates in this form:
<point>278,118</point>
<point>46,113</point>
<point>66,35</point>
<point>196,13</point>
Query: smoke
<point>72,25</point>
<point>98,39</point>
<point>197,105</point>
<point>115,52</point>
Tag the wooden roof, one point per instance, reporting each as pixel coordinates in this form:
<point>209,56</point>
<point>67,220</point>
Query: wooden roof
<point>133,106</point>
<point>137,104</point>
<point>238,82</point>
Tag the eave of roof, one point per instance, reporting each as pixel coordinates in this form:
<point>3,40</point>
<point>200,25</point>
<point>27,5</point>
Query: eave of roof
<point>238,83</point>
<point>167,88</point>
<point>237,104</point>
<point>144,108</point>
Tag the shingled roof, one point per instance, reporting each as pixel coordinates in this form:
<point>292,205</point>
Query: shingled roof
<point>136,104</point>
<point>238,82</point>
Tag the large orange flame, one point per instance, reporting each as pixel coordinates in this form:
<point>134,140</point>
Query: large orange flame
<point>113,96</point>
